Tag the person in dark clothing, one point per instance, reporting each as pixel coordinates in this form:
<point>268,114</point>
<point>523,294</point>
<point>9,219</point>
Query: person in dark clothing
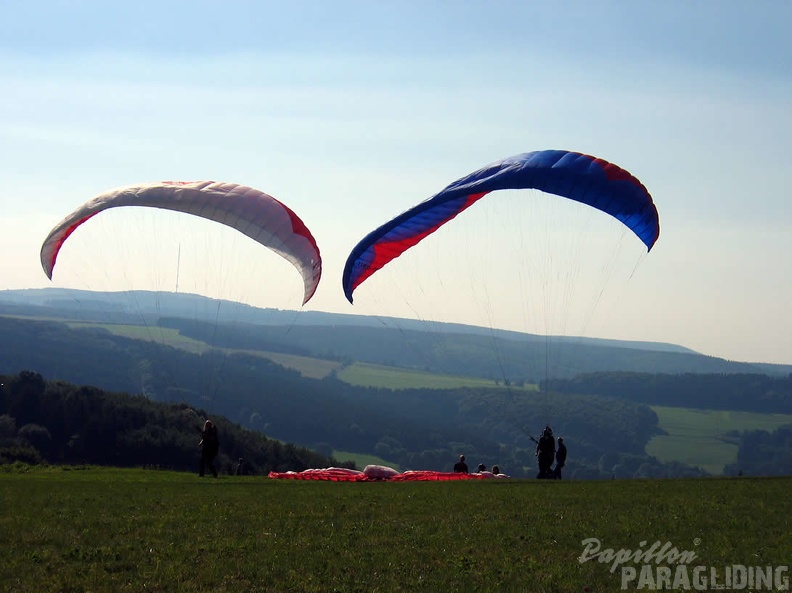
<point>560,458</point>
<point>460,467</point>
<point>545,453</point>
<point>210,445</point>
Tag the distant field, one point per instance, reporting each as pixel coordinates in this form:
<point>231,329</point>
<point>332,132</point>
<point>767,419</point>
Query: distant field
<point>91,529</point>
<point>362,460</point>
<point>315,368</point>
<point>701,437</point>
<point>161,335</point>
<point>374,375</point>
<point>361,374</point>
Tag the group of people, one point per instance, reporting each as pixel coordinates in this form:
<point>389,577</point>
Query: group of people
<point>461,467</point>
<point>547,453</point>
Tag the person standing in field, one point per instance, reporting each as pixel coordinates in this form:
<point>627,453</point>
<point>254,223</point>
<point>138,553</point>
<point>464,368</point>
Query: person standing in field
<point>545,453</point>
<point>460,467</point>
<point>561,455</point>
<point>210,445</point>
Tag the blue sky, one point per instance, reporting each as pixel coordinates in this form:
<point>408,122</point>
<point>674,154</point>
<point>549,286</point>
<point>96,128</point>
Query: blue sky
<point>351,112</point>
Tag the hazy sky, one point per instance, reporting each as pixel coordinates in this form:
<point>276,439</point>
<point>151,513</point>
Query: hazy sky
<point>352,112</point>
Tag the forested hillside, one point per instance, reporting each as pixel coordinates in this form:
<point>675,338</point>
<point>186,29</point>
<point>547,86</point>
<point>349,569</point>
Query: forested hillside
<point>512,359</point>
<point>56,422</point>
<point>746,392</point>
<point>434,347</point>
<point>416,429</point>
<point>764,453</point>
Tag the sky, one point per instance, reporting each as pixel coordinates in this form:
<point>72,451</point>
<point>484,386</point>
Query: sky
<point>352,112</point>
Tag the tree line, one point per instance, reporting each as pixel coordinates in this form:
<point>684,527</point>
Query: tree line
<point>56,422</point>
<point>748,392</point>
<point>763,453</point>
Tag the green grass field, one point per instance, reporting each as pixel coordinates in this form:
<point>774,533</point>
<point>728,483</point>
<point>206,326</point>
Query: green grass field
<point>359,373</point>
<point>315,368</point>
<point>374,375</point>
<point>161,335</point>
<point>116,530</point>
<point>706,437</point>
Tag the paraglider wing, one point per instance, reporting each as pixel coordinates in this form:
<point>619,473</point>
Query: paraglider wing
<point>252,212</point>
<point>579,177</point>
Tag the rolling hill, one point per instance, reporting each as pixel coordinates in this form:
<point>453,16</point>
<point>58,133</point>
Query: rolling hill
<point>411,393</point>
<point>443,348</point>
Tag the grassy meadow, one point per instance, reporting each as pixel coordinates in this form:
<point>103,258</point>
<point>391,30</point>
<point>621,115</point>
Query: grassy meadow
<point>706,438</point>
<point>315,368</point>
<point>101,529</point>
<point>360,374</point>
<point>152,333</point>
<point>375,375</point>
